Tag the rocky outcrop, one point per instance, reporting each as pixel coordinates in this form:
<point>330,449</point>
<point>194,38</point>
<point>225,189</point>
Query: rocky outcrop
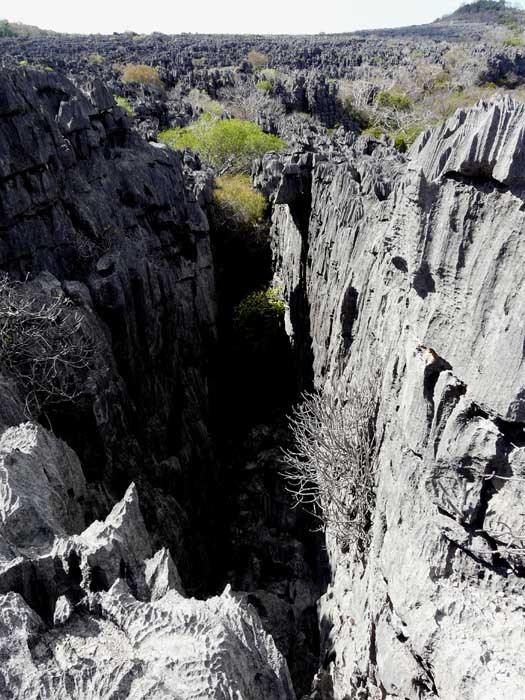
<point>93,613</point>
<point>110,222</point>
<point>415,267</point>
<point>486,144</point>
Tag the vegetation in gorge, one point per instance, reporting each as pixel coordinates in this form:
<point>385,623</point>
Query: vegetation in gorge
<point>45,347</point>
<point>237,203</point>
<point>229,145</point>
<point>332,466</point>
<point>263,308</point>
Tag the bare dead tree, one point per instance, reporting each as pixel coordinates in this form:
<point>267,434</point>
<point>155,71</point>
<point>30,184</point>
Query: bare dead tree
<point>246,101</point>
<point>333,464</point>
<point>44,346</point>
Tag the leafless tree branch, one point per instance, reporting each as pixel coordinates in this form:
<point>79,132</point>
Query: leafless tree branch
<point>44,346</point>
<point>332,466</point>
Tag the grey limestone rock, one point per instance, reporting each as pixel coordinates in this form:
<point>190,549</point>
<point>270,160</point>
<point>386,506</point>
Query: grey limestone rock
<point>93,614</point>
<point>423,280</point>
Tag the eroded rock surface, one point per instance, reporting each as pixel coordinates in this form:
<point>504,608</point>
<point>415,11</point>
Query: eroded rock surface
<point>93,613</point>
<point>415,266</point>
<point>98,215</point>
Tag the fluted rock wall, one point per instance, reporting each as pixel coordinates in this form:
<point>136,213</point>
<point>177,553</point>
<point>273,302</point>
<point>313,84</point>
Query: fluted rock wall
<point>91,603</point>
<point>415,267</point>
<point>111,222</point>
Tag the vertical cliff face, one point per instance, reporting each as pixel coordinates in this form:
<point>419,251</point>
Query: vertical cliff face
<point>104,498</point>
<point>113,221</point>
<point>414,266</point>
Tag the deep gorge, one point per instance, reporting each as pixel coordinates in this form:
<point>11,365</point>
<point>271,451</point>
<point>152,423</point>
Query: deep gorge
<point>149,547</point>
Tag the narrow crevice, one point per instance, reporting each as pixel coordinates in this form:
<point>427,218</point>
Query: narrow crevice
<point>270,550</point>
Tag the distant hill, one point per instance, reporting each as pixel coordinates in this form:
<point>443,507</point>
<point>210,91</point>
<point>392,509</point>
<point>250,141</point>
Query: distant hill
<point>487,12</point>
<point>19,29</point>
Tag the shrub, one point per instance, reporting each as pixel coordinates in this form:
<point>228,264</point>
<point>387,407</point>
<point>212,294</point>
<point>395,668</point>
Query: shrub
<point>36,66</point>
<point>237,202</point>
<point>142,74</point>
<point>269,74</point>
<point>264,85</point>
<point>393,100</point>
<point>259,310</point>
<point>230,145</point>
<point>376,131</point>
<point>200,99</point>
<point>513,41</point>
<point>332,466</point>
<point>404,138</point>
<point>95,59</point>
<point>359,116</point>
<point>124,103</point>
<point>257,59</point>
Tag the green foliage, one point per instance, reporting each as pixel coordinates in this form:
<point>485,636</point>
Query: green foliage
<point>394,100</point>
<point>265,85</point>
<point>259,309</point>
<point>403,138</point>
<point>36,66</point>
<point>269,74</point>
<point>376,131</point>
<point>513,41</point>
<point>142,74</point>
<point>95,59</point>
<point>230,145</point>
<point>124,103</point>
<point>490,11</point>
<point>359,116</point>
<point>238,203</point>
<point>6,29</point>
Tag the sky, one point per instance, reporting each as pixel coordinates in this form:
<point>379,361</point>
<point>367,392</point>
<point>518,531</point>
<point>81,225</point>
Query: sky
<point>223,16</point>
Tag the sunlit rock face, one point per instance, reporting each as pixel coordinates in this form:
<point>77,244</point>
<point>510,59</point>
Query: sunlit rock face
<point>414,266</point>
<point>94,613</point>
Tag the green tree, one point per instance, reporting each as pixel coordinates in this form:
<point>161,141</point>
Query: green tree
<point>124,103</point>
<point>230,145</point>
